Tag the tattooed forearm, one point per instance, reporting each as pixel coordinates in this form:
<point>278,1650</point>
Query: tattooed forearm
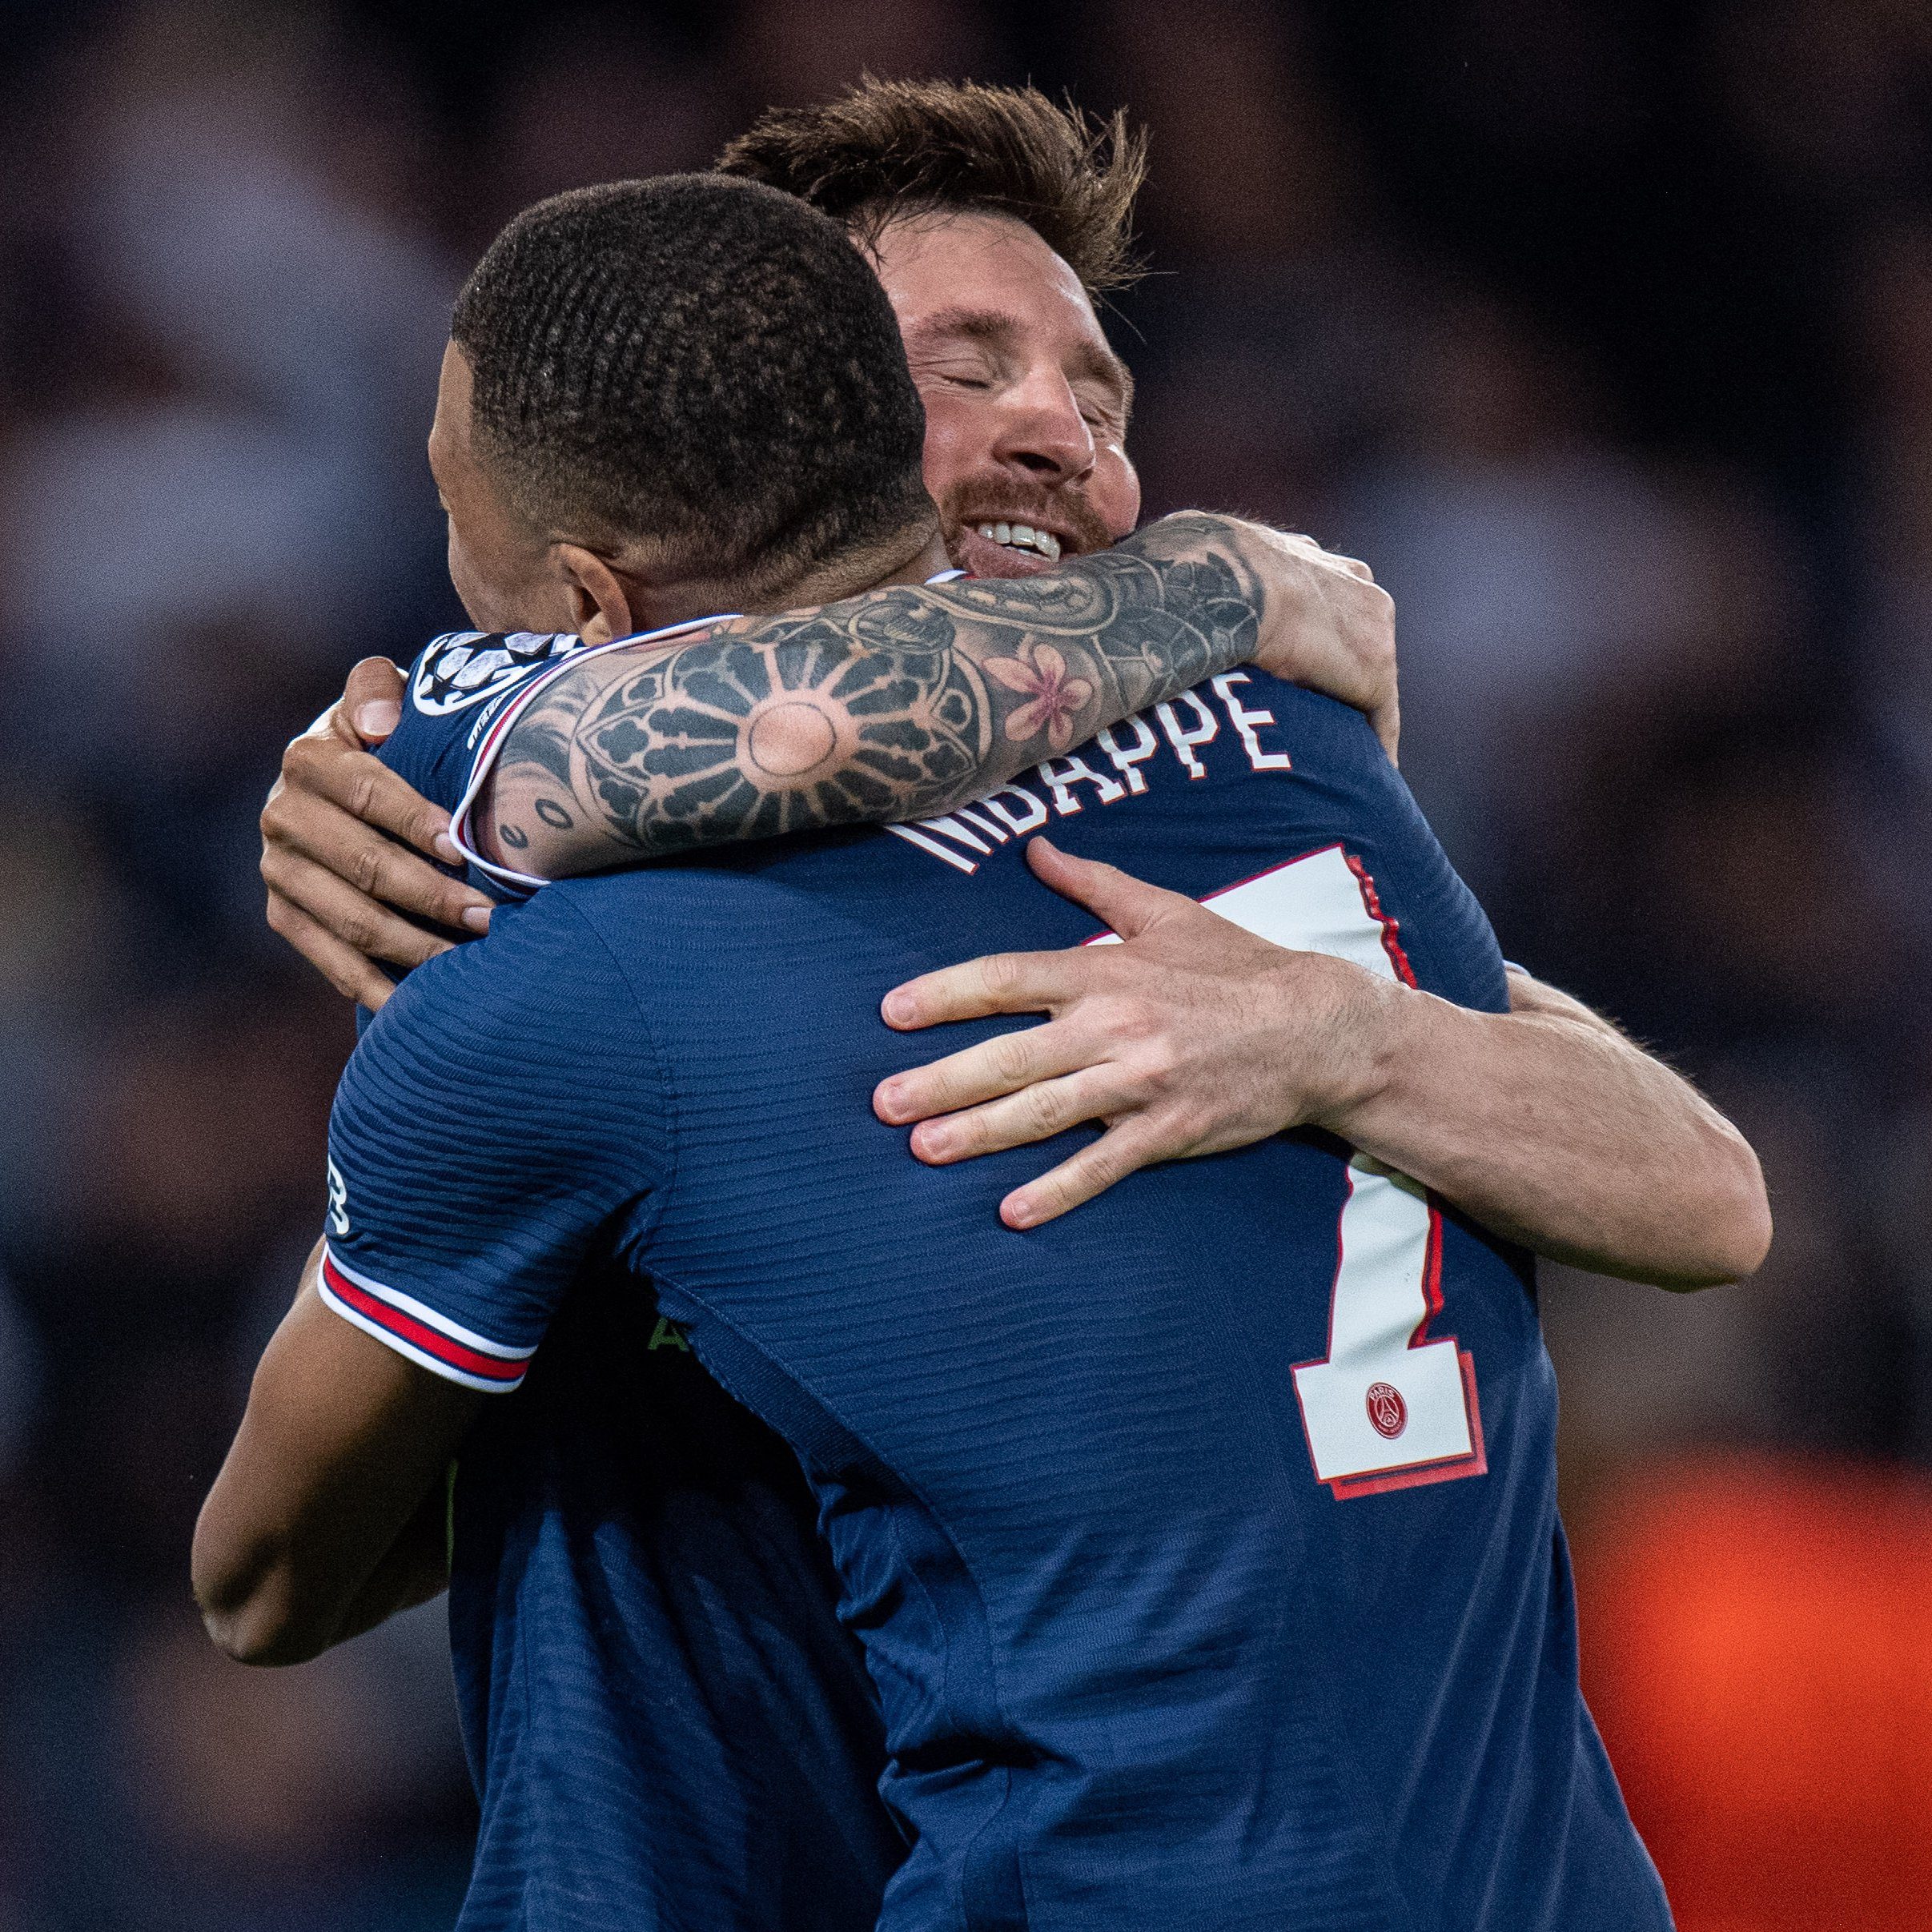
<point>897,704</point>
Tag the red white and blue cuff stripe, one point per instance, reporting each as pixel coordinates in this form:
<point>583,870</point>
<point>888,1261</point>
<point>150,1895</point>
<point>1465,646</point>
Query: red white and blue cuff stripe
<point>446,1348</point>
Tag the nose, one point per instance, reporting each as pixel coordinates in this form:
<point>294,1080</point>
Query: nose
<point>1043,432</point>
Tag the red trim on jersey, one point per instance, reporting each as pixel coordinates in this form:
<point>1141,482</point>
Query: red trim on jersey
<point>1431,1278</point>
<point>1372,904</point>
<point>419,1334</point>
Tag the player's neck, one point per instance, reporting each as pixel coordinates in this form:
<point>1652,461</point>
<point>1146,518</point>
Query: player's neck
<point>910,557</point>
<point>919,555</point>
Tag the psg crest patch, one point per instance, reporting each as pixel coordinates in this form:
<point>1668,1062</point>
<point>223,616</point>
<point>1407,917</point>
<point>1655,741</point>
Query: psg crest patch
<point>467,666</point>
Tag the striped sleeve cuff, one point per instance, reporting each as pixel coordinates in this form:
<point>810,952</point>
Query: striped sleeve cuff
<point>432,1340</point>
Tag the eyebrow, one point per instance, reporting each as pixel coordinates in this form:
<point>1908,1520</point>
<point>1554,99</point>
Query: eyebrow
<point>1091,359</point>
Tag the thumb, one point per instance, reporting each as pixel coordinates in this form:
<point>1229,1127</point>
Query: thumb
<point>372,699</point>
<point>1129,905</point>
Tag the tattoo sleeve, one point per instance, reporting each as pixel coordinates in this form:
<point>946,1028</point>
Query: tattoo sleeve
<point>897,704</point>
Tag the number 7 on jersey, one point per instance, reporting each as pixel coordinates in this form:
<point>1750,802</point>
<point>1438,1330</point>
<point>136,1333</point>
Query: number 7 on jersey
<point>1386,1408</point>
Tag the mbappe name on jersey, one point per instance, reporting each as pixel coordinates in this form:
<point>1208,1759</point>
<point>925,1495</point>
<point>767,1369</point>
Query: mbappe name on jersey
<point>1184,727</point>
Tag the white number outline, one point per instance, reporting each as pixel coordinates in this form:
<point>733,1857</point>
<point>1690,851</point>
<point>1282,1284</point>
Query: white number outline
<point>1473,1461</point>
<point>1374,1196</point>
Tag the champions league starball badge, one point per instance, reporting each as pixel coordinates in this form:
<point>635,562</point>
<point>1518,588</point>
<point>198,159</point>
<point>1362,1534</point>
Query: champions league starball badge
<point>467,666</point>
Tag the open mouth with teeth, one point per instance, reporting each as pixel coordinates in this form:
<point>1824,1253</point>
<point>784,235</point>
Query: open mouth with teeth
<point>1022,536</point>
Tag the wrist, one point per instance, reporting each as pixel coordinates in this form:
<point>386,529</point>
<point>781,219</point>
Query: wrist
<point>1369,1041</point>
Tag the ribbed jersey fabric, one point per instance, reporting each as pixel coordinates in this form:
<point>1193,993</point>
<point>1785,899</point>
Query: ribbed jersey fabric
<point>1202,1545</point>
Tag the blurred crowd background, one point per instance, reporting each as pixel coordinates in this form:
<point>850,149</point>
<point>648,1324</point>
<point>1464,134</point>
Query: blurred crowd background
<point>1603,331</point>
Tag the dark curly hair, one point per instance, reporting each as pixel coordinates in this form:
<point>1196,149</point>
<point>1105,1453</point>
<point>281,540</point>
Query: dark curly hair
<point>886,149</point>
<point>701,361</point>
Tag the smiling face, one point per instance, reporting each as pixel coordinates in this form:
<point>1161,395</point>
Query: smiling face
<point>1026,404</point>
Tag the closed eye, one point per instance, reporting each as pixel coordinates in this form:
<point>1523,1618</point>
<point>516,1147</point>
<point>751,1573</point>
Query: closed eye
<point>972,373</point>
<point>1109,417</point>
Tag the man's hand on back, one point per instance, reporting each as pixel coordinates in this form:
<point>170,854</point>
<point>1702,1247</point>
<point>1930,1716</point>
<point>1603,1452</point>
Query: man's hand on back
<point>339,881</point>
<point>1175,1041</point>
<point>1544,1123</point>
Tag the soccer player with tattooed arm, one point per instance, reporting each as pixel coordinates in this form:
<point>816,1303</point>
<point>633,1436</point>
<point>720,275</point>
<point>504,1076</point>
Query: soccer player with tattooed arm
<point>1201,1545</point>
<point>993,219</point>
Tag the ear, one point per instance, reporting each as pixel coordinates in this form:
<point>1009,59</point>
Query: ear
<point>600,603</point>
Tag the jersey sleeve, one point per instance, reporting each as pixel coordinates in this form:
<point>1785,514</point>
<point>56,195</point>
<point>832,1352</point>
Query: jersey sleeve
<point>466,693</point>
<point>458,688</point>
<point>500,1124</point>
<point>488,741</point>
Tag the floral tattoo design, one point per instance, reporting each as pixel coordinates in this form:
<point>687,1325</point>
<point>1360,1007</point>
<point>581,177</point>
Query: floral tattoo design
<point>1039,673</point>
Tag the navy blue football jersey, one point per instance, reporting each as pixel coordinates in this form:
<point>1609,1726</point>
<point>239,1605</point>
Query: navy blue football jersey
<point>669,1729</point>
<point>1202,1543</point>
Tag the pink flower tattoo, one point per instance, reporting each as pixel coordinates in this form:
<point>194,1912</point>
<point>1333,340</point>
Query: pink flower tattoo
<point>1039,672</point>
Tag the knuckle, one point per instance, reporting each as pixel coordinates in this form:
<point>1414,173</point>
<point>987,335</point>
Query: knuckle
<point>1104,1167</point>
<point>1161,1071</point>
<point>1132,1021</point>
<point>1000,971</point>
<point>1042,1111</point>
<point>306,759</point>
<point>377,675</point>
<point>281,915</point>
<point>1011,1059</point>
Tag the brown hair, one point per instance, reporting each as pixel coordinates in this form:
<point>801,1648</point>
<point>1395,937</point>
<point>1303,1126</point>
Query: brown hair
<point>886,149</point>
